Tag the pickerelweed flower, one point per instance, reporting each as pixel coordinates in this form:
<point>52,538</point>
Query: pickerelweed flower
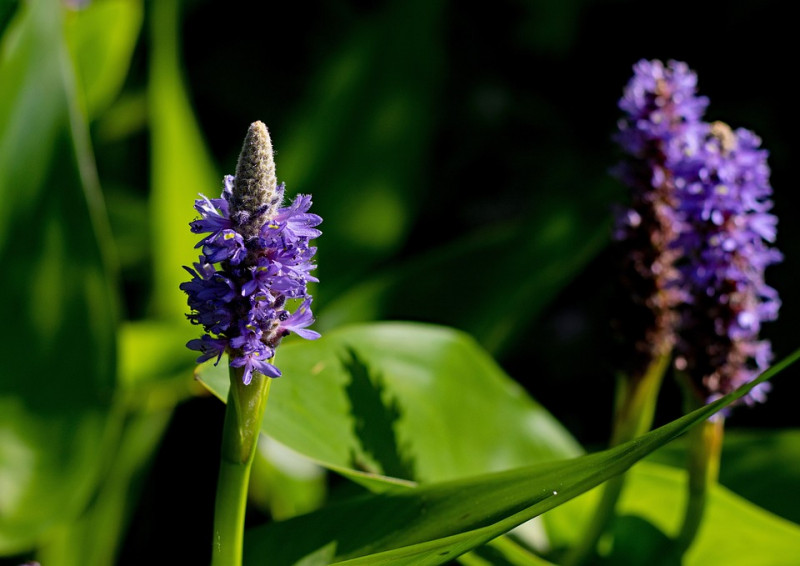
<point>725,229</point>
<point>660,107</point>
<point>255,258</point>
<point>696,235</point>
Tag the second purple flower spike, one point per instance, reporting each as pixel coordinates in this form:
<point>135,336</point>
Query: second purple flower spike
<point>697,233</point>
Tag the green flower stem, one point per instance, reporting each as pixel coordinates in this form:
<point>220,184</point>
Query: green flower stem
<point>705,450</point>
<point>633,416</point>
<point>246,404</point>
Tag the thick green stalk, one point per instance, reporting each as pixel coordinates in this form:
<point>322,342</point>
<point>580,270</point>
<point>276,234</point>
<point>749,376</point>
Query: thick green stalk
<point>705,449</point>
<point>633,416</point>
<point>246,404</point>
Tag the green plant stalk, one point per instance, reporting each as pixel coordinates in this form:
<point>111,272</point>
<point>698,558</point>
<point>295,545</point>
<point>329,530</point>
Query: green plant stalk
<point>246,404</point>
<point>705,450</point>
<point>633,416</point>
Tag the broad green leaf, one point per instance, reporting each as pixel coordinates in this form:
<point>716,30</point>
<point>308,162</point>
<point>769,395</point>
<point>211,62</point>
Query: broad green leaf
<point>764,454</point>
<point>101,38</point>
<point>434,523</point>
<point>734,531</point>
<point>181,166</point>
<point>410,401</point>
<point>749,454</point>
<point>58,336</point>
<point>539,256</point>
<point>285,483</point>
<point>361,138</point>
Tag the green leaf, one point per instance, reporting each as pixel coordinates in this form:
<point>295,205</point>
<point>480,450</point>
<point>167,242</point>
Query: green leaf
<point>58,336</point>
<point>284,483</point>
<point>734,530</point>
<point>101,38</point>
<point>411,401</point>
<point>181,164</point>
<point>435,523</point>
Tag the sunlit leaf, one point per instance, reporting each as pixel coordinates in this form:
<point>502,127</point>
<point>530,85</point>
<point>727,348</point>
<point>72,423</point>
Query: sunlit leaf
<point>284,483</point>
<point>411,401</point>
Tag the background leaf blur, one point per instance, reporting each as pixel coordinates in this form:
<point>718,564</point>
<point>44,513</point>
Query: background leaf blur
<point>59,336</point>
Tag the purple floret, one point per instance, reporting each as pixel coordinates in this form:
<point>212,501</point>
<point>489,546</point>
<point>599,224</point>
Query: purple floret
<point>298,322</point>
<point>210,347</point>
<point>659,101</point>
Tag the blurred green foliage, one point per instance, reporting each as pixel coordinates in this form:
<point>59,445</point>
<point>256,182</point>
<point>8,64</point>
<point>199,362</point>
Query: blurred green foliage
<point>458,155</point>
<point>60,310</point>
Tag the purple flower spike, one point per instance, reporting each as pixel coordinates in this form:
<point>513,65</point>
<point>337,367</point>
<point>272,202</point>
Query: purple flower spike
<point>661,109</point>
<point>256,256</point>
<point>725,227</point>
<point>695,238</point>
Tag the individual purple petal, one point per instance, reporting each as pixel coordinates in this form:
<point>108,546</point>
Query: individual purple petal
<point>224,245</point>
<point>297,220</point>
<point>209,347</point>
<point>256,361</point>
<point>298,321</point>
<point>214,214</point>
